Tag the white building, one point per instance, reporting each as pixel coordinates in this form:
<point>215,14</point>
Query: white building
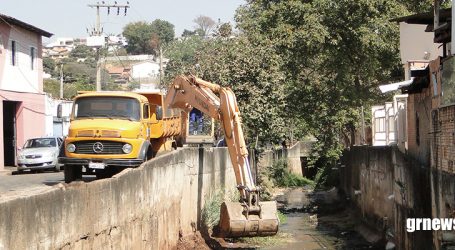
<point>145,72</point>
<point>389,123</point>
<point>58,114</point>
<point>66,42</point>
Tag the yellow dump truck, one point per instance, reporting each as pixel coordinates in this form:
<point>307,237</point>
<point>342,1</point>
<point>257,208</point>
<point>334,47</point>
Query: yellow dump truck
<point>110,131</point>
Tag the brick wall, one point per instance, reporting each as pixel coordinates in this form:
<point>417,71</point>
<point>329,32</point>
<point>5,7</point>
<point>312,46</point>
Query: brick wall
<point>444,156</point>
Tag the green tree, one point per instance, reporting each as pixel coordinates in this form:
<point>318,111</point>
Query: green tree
<point>79,72</point>
<point>82,51</point>
<point>254,73</point>
<point>304,66</point>
<point>138,35</point>
<point>182,56</point>
<point>52,87</point>
<point>162,33</point>
<point>188,33</point>
<point>335,54</point>
<point>146,38</point>
<point>49,66</point>
<point>224,30</point>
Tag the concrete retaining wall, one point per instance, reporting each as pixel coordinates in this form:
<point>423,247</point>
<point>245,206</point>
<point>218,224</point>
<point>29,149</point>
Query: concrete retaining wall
<point>387,187</point>
<point>143,208</point>
<point>291,154</point>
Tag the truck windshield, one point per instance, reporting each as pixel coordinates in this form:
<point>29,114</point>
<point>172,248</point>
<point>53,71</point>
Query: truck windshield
<point>107,107</point>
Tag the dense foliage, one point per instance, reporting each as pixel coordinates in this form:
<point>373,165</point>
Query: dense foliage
<point>146,38</point>
<point>306,67</point>
<point>281,176</point>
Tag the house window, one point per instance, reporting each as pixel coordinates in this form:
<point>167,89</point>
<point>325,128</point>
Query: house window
<point>417,130</point>
<point>391,124</point>
<point>32,58</point>
<point>13,53</point>
<point>379,124</point>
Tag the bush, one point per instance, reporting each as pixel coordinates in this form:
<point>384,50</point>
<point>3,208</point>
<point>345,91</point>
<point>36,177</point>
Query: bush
<point>211,210</point>
<point>282,177</point>
<point>326,177</point>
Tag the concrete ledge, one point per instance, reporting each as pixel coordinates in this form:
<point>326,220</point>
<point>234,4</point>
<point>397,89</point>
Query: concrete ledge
<point>142,208</point>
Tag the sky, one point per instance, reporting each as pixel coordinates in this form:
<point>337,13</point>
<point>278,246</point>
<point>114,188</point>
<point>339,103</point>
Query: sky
<point>71,18</point>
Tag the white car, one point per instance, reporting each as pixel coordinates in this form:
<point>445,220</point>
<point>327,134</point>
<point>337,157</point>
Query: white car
<point>39,153</point>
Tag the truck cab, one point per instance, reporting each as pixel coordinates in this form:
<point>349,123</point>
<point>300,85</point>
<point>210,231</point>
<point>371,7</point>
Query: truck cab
<point>110,131</point>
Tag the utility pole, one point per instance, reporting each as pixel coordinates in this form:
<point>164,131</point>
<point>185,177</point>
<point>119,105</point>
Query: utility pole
<point>363,142</point>
<point>161,65</point>
<point>61,81</point>
<point>98,31</point>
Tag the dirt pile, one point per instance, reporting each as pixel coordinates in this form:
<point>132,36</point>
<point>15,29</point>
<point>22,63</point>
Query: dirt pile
<point>194,241</point>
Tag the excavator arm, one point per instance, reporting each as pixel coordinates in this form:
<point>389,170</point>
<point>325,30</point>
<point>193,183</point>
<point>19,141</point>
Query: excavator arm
<point>249,217</point>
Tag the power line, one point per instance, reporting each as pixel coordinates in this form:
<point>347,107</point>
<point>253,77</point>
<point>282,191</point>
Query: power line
<point>98,31</point>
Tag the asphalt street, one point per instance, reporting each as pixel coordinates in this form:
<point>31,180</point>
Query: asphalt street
<point>12,184</point>
<point>9,183</point>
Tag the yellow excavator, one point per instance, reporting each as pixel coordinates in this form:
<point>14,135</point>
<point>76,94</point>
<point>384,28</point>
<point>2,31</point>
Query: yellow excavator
<point>249,216</point>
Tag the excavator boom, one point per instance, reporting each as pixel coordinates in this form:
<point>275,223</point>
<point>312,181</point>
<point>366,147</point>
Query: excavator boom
<point>249,217</point>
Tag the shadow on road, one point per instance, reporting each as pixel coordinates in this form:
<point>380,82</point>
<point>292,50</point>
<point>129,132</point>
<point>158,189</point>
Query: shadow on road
<point>88,178</point>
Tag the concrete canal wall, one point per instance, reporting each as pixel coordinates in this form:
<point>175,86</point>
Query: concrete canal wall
<point>387,187</point>
<point>143,208</point>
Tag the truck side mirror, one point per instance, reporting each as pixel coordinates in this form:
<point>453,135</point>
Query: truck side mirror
<point>159,112</point>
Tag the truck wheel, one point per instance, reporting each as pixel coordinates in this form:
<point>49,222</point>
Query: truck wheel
<point>103,174</point>
<point>149,155</point>
<point>179,141</point>
<point>72,173</point>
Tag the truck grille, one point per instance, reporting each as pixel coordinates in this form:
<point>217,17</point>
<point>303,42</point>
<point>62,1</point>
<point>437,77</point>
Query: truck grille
<point>101,147</point>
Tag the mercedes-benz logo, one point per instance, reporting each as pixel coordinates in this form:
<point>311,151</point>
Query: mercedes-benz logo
<point>98,147</point>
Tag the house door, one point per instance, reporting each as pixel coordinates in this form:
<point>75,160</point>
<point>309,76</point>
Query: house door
<point>9,132</point>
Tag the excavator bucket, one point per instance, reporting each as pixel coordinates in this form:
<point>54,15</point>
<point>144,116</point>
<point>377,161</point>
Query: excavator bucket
<point>235,222</point>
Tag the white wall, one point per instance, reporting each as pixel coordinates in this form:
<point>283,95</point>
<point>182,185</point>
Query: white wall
<point>21,77</point>
<point>145,70</point>
<point>51,115</point>
<point>389,125</point>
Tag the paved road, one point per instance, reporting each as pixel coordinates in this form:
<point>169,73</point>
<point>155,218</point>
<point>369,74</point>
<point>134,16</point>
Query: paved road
<point>12,185</point>
<point>20,182</point>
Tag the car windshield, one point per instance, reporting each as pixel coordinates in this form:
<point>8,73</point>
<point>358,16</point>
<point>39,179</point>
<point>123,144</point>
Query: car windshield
<point>41,143</point>
<point>110,107</point>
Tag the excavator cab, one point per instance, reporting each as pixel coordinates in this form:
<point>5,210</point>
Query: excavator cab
<point>200,129</point>
<point>249,216</point>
